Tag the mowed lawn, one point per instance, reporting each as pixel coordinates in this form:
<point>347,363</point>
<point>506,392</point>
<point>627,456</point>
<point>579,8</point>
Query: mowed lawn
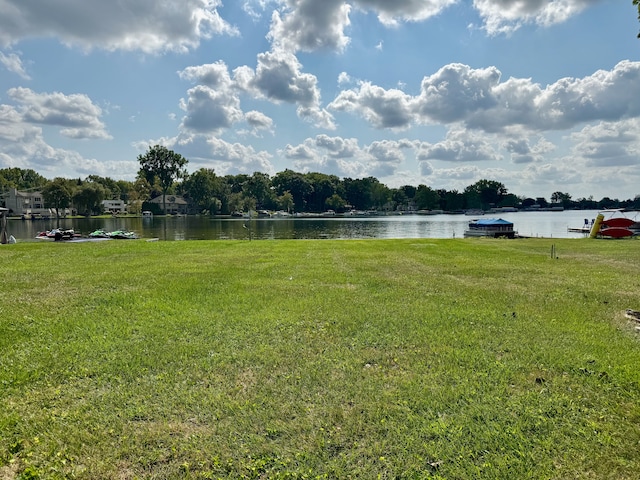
<point>404,359</point>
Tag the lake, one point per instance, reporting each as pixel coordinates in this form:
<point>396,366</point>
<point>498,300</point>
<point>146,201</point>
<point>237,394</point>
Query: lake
<point>532,224</point>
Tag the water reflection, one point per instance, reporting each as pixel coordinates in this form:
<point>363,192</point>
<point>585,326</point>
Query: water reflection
<point>535,224</point>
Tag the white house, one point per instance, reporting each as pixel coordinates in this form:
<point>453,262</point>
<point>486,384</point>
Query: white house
<point>26,203</point>
<point>114,206</point>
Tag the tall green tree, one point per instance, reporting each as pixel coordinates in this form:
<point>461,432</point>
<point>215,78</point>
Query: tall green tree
<point>258,187</point>
<point>20,179</point>
<point>488,192</point>
<point>637,4</point>
<point>296,184</point>
<point>203,187</point>
<point>88,197</point>
<point>57,194</point>
<point>427,198</point>
<point>164,165</point>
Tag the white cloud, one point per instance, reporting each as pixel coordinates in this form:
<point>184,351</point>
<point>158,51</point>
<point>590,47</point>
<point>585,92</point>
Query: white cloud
<point>608,144</point>
<point>259,121</point>
<point>477,99</point>
<point>76,114</point>
<point>505,16</point>
<point>392,12</point>
<point>303,151</point>
<point>459,146</point>
<point>278,78</point>
<point>13,63</point>
<point>141,25</point>
<point>213,104</point>
<point>338,147</point>
<point>311,25</point>
<point>23,146</point>
<point>456,91</point>
<point>380,107</point>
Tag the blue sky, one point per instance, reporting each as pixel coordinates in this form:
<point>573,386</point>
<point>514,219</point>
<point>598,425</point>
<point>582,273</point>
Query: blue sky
<point>542,95</point>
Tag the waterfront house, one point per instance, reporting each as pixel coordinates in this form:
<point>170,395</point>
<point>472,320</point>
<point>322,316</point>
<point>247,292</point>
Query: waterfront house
<point>26,204</point>
<point>114,206</point>
<point>176,205</point>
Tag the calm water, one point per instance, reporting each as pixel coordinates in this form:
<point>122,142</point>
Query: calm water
<point>534,224</point>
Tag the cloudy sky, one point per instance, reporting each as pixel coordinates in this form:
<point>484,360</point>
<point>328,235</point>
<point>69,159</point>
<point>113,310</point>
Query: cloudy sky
<point>541,95</point>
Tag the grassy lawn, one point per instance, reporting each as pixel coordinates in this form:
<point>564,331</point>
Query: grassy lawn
<point>408,359</point>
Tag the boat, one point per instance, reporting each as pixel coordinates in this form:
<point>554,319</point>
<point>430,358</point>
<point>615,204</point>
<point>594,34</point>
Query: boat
<point>123,235</point>
<point>116,234</point>
<point>490,227</point>
<point>58,234</point>
<point>616,223</point>
<point>99,234</point>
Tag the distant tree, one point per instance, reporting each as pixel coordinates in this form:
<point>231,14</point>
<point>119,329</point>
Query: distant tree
<point>258,187</point>
<point>509,200</point>
<point>285,201</point>
<point>427,198</point>
<point>488,192</point>
<point>164,165</point>
<point>20,179</point>
<point>607,202</point>
<point>399,198</point>
<point>637,4</point>
<point>203,187</point>
<point>451,201</point>
<point>409,191</point>
<point>323,187</point>
<point>335,202</point>
<point>563,198</point>
<point>88,197</point>
<point>542,202</point>
<point>294,183</point>
<point>359,192</point>
<point>57,194</point>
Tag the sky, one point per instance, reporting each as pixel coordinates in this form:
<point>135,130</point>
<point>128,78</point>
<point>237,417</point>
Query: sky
<point>541,95</point>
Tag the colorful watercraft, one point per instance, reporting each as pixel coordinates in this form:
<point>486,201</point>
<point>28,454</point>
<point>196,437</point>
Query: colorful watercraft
<point>116,234</point>
<point>616,223</point>
<point>58,234</point>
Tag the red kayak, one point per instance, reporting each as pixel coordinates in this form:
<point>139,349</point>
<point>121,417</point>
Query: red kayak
<point>616,232</point>
<point>618,222</point>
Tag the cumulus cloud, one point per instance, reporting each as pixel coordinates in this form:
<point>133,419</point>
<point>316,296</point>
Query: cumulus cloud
<point>22,145</point>
<point>338,147</point>
<point>214,103</point>
<point>259,121</point>
<point>210,151</point>
<point>391,13</point>
<point>505,16</point>
<point>141,25</point>
<point>344,157</point>
<point>311,25</point>
<point>456,91</point>
<point>380,107</point>
<point>459,146</point>
<point>76,114</point>
<point>278,78</point>
<point>608,144</point>
<point>478,99</point>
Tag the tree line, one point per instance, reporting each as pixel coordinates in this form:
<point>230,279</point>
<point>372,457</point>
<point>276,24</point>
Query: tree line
<point>163,172</point>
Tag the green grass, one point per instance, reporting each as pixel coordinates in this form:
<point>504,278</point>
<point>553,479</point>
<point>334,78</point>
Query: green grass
<point>408,359</point>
